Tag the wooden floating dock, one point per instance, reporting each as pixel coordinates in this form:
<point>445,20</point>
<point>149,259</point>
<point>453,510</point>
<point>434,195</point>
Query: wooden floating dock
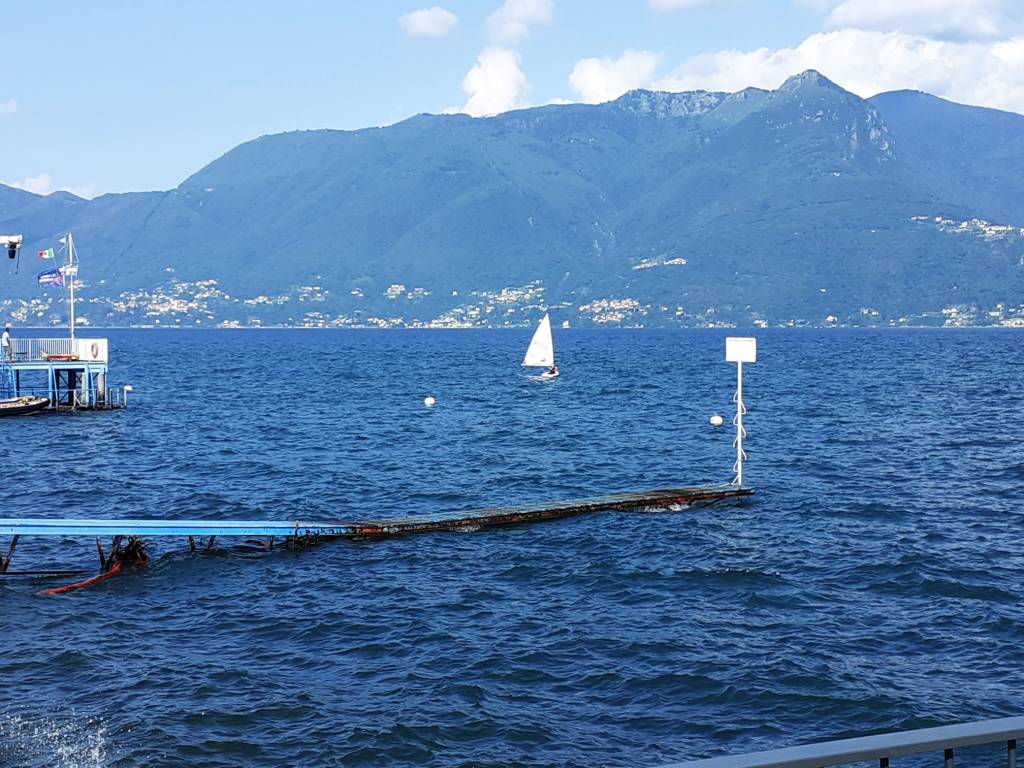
<point>128,535</point>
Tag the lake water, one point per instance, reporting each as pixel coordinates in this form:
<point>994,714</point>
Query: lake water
<point>875,581</point>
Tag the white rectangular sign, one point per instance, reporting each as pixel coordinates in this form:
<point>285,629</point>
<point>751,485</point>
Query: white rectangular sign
<point>91,350</point>
<point>740,349</point>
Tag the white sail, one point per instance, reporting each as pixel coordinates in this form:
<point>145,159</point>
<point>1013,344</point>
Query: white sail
<point>542,348</point>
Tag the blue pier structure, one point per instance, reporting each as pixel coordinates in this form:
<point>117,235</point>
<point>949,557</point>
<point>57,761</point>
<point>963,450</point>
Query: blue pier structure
<point>70,372</point>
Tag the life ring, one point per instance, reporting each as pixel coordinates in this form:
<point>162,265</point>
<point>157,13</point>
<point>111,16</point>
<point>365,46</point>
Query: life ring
<point>95,349</point>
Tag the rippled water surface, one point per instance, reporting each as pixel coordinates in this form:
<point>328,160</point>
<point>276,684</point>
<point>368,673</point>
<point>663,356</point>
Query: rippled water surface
<point>875,581</point>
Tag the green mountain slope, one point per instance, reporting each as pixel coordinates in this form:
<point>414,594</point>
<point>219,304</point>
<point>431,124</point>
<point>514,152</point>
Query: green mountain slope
<point>803,205</point>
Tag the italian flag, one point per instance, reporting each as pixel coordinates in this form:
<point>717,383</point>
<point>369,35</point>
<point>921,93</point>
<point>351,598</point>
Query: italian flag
<point>47,254</point>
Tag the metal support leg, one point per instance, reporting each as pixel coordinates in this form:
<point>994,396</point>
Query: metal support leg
<point>5,562</point>
<point>883,762</point>
<point>948,755</point>
<point>115,552</point>
<point>1011,753</point>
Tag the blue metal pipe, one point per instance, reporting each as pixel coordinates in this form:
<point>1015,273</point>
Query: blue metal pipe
<point>149,528</point>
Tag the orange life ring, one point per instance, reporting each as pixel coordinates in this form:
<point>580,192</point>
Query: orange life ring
<point>95,349</point>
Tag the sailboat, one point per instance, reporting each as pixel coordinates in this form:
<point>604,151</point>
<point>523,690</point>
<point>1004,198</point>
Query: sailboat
<point>541,352</point>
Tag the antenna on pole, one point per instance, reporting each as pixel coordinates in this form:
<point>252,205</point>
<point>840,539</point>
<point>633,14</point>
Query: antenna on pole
<point>740,350</point>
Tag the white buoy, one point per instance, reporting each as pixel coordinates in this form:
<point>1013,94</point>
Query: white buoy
<point>716,421</point>
<point>429,401</point>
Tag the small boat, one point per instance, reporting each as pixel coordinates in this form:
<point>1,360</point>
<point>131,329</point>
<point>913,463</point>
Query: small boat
<point>541,352</point>
<point>23,406</point>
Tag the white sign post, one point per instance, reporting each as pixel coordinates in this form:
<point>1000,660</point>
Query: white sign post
<point>740,350</point>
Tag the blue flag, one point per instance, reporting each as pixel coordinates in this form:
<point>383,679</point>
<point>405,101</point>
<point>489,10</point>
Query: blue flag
<point>51,277</point>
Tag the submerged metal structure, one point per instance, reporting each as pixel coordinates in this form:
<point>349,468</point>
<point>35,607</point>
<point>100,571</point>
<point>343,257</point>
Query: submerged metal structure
<point>127,546</point>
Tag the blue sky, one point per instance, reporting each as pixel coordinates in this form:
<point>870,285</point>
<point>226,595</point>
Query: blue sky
<point>113,95</point>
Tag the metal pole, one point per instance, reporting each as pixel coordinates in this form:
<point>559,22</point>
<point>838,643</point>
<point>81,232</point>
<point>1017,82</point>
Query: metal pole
<point>740,431</point>
<point>1011,753</point>
<point>71,285</point>
<point>739,424</point>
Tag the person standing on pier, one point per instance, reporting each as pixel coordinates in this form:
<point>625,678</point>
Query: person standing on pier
<point>6,345</point>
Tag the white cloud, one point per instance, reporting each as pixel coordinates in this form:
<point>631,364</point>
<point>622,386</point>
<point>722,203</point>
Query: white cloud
<point>8,107</point>
<point>943,19</point>
<point>40,185</point>
<point>495,84</point>
<point>866,62</point>
<point>43,185</point>
<point>428,22</point>
<point>511,23</point>
<point>599,80</point>
<point>675,5</point>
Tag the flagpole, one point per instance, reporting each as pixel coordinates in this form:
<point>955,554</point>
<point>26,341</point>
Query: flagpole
<point>71,285</point>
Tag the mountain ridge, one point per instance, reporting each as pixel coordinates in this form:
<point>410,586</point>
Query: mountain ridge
<point>802,205</point>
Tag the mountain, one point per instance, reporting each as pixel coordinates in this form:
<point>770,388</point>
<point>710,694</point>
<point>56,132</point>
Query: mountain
<point>14,200</point>
<point>803,205</point>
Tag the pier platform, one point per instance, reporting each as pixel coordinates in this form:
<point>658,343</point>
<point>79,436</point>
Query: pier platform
<point>70,373</point>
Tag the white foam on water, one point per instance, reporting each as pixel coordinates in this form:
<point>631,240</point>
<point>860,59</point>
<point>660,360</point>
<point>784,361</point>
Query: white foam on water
<point>31,742</point>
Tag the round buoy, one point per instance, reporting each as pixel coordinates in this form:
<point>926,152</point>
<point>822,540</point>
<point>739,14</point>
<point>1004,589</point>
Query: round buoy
<point>429,401</point>
<point>716,421</point>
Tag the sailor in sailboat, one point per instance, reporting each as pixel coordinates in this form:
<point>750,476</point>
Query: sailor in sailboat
<point>541,352</point>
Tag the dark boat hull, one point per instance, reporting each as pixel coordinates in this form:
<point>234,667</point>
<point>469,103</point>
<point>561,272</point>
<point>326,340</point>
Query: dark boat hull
<point>23,406</point>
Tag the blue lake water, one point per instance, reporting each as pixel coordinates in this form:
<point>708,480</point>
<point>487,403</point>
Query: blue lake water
<point>875,581</point>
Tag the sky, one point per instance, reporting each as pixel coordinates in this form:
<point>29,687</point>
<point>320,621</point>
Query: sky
<point>130,95</point>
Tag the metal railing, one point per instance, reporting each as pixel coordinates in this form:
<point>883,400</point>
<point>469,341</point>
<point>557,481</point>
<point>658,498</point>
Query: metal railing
<point>116,397</point>
<point>28,350</point>
<point>65,399</point>
<point>881,747</point>
<point>33,350</point>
